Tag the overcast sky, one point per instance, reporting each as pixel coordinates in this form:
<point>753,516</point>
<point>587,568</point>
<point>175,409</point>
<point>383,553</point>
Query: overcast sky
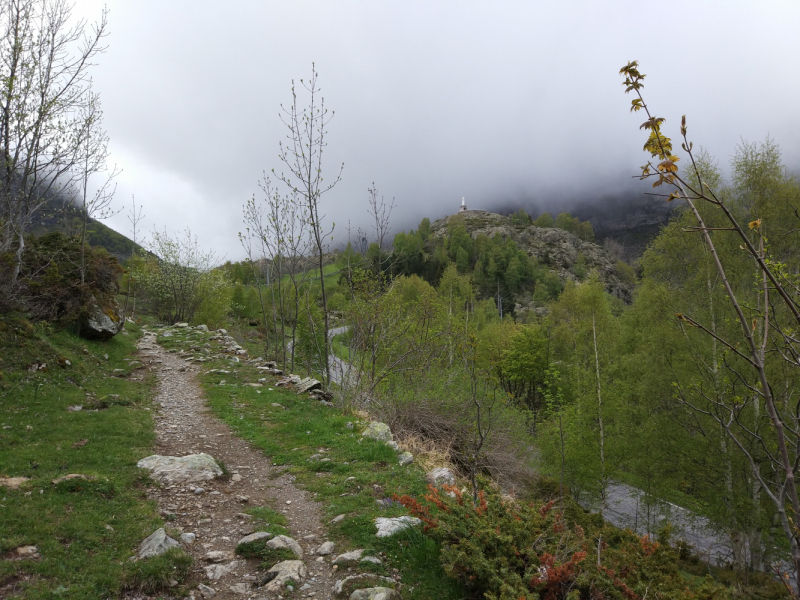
<point>504,103</point>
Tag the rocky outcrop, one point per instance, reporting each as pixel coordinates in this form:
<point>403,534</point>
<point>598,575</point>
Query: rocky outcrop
<point>553,248</point>
<point>100,321</point>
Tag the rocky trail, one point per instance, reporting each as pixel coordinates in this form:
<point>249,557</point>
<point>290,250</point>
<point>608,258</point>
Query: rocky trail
<point>213,510</point>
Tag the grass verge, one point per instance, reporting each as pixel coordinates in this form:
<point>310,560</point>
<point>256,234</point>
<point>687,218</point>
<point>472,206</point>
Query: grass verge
<point>348,474</point>
<point>85,529</point>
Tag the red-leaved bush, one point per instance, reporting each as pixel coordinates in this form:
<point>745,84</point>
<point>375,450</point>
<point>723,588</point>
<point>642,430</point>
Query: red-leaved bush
<point>503,549</point>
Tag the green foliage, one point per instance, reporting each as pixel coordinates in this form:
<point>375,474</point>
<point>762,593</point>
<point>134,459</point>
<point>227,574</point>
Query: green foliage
<point>583,229</point>
<point>178,281</point>
<point>626,272</point>
<point>215,300</point>
<point>544,220</point>
<point>520,218</point>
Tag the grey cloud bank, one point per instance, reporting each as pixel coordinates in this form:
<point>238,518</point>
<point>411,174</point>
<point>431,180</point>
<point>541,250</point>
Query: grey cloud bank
<point>505,103</point>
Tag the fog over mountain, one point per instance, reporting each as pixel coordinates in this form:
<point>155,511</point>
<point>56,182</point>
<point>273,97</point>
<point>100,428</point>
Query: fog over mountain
<point>508,104</point>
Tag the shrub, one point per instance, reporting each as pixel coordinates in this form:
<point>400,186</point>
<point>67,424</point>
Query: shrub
<point>49,288</point>
<point>509,550</point>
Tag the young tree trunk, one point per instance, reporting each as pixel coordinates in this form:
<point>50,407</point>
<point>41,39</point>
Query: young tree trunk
<point>603,482</point>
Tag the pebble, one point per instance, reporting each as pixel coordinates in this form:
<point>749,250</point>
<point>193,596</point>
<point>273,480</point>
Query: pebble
<point>198,490</point>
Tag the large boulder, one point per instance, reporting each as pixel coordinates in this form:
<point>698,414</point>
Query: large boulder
<point>181,469</point>
<point>100,320</point>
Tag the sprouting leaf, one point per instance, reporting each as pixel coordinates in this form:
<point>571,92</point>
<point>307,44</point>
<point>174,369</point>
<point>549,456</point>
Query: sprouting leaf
<point>652,123</point>
<point>668,166</point>
<point>754,224</point>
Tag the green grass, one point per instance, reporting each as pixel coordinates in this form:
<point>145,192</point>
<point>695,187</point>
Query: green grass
<point>85,530</point>
<point>339,345</point>
<point>360,472</point>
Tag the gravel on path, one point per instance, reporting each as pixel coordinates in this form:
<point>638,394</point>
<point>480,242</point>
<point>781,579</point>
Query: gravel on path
<point>185,425</point>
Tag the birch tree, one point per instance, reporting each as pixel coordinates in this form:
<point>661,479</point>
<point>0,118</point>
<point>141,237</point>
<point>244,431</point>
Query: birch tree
<point>302,155</point>
<point>762,353</point>
<point>45,58</point>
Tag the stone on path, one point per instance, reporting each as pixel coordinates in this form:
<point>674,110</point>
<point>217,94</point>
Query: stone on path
<point>254,537</point>
<point>284,542</point>
<point>345,587</point>
<point>156,544</point>
<point>206,591</point>
<point>218,556</point>
<point>325,549</point>
<point>371,559</point>
<point>215,572</point>
<point>187,538</point>
<point>376,593</point>
<point>337,519</point>
<point>441,476</point>
<point>378,431</point>
<point>240,588</point>
<point>405,458</point>
<point>348,558</point>
<point>390,526</point>
<point>283,572</point>
<point>181,469</point>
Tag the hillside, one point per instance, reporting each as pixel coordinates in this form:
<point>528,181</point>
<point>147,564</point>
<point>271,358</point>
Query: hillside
<point>59,214</point>
<point>631,221</point>
<point>553,248</point>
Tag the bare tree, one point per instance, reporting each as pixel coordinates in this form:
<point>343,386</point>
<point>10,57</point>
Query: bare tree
<point>302,155</point>
<point>135,216</point>
<point>381,212</point>
<point>283,238</point>
<point>92,156</point>
<point>44,85</point>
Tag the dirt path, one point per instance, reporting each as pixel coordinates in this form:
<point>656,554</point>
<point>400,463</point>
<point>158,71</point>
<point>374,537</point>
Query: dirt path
<point>185,425</point>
